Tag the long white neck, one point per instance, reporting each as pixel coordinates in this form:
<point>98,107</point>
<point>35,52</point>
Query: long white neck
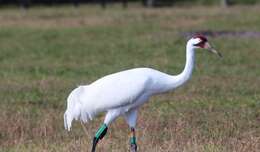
<point>180,79</point>
<point>185,75</point>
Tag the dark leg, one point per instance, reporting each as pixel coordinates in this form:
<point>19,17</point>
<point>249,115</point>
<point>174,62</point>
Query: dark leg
<point>133,145</point>
<point>98,136</point>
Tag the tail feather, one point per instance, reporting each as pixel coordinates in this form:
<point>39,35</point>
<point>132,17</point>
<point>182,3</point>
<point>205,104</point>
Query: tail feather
<point>75,109</point>
<point>67,122</point>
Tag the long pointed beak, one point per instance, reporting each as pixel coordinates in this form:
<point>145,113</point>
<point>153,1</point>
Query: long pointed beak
<point>208,47</point>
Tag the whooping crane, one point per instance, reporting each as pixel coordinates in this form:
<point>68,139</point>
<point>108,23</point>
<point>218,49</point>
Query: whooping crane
<point>122,93</point>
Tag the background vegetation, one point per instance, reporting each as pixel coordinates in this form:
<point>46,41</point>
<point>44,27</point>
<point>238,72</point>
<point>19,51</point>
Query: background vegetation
<point>46,52</point>
<point>156,2</point>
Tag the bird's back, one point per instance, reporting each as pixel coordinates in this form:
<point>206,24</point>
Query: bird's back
<point>116,90</point>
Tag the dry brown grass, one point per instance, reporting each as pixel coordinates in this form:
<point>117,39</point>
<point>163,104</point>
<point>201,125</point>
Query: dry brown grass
<point>155,134</point>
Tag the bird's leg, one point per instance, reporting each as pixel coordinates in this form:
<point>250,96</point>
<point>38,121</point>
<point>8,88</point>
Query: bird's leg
<point>110,117</point>
<point>99,135</point>
<point>133,145</point>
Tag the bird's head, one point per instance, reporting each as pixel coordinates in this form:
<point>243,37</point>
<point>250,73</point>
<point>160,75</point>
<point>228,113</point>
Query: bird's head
<point>200,41</point>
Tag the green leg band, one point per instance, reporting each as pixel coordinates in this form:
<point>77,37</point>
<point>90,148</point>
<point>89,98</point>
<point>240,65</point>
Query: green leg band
<point>133,140</point>
<point>101,129</point>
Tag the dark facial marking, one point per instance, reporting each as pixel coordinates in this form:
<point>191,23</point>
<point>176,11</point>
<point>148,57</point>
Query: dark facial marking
<point>202,38</point>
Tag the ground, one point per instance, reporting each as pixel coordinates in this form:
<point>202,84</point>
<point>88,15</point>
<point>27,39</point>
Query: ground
<point>45,52</point>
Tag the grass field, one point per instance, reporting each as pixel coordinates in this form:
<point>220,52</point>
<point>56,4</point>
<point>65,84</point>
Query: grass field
<point>46,52</point>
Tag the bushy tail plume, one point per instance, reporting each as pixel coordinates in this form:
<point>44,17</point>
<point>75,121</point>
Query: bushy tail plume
<point>67,122</point>
<point>75,109</point>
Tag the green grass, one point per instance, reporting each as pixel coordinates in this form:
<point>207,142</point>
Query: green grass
<point>46,52</point>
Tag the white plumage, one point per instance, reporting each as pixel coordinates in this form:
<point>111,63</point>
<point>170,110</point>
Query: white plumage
<point>120,94</point>
<point>123,91</point>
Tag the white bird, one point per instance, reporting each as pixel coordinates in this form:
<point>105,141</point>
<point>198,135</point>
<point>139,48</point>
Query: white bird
<point>122,93</point>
